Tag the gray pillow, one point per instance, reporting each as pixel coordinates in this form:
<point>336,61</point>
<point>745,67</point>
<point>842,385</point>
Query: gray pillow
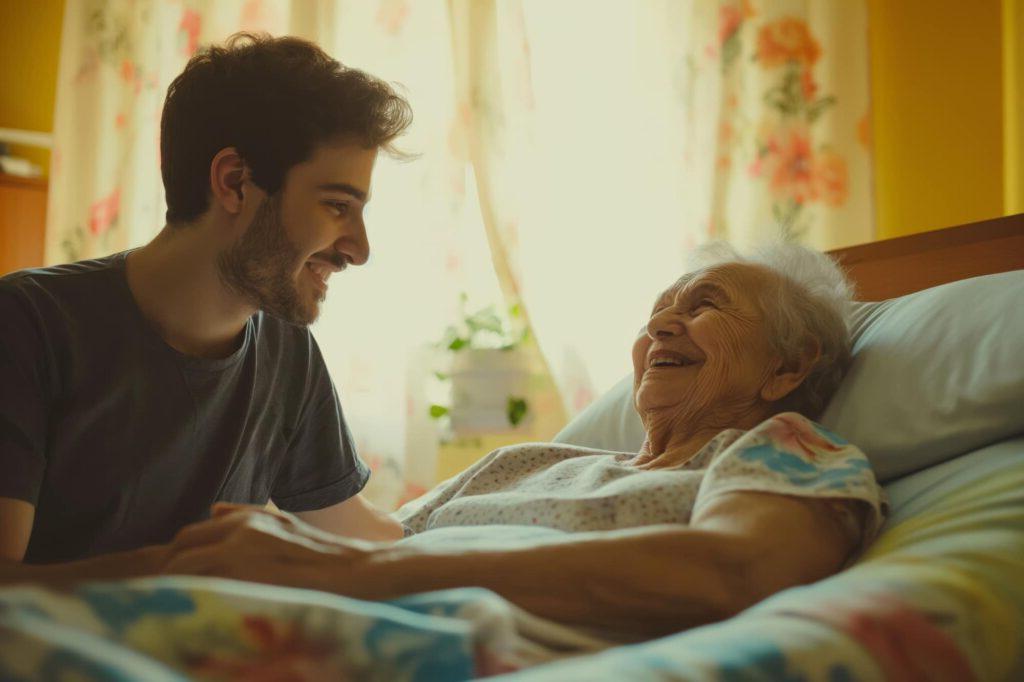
<point>935,374</point>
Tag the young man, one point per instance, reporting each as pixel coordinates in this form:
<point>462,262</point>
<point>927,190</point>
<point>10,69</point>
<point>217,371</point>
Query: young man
<point>138,389</point>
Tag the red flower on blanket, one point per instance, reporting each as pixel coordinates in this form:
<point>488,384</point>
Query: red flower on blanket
<point>793,433</point>
<point>904,641</point>
<point>279,653</point>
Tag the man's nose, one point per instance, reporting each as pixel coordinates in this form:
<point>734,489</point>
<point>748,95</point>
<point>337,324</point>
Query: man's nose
<point>356,245</point>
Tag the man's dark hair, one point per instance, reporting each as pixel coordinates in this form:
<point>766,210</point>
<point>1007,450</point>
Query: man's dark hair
<point>274,100</point>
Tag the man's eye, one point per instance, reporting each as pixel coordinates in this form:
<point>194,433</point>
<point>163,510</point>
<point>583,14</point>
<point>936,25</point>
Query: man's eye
<point>704,303</point>
<point>338,208</point>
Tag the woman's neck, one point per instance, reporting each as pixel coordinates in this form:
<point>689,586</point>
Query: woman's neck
<point>675,441</point>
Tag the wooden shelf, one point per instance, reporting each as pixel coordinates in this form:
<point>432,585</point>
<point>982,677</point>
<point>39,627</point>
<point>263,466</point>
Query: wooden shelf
<point>22,222</point>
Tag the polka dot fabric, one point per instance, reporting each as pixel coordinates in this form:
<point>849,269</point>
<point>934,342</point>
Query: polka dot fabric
<point>577,489</point>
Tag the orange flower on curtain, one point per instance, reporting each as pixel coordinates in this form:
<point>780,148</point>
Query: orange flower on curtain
<point>796,172</point>
<point>788,119</point>
<point>787,41</point>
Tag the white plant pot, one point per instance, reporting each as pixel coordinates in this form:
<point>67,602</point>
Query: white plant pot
<point>482,380</point>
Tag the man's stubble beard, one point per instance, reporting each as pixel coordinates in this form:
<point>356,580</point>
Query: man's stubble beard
<point>260,266</point>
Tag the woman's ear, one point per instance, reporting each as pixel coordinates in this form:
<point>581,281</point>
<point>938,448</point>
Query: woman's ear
<point>227,178</point>
<point>788,375</point>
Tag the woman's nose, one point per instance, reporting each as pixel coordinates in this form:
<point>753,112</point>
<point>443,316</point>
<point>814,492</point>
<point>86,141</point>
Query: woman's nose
<point>664,325</point>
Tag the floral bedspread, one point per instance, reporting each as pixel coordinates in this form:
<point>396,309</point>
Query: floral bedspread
<point>938,597</point>
<point>180,628</point>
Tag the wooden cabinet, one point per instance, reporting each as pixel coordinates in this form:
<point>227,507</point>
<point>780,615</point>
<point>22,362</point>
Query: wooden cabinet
<point>22,222</point>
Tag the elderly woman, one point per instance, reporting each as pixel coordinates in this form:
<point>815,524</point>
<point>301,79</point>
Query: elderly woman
<point>735,495</point>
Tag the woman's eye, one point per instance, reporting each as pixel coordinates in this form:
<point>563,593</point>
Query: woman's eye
<point>705,303</point>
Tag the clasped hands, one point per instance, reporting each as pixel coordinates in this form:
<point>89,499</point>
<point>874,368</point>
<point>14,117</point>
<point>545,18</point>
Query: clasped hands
<point>256,544</point>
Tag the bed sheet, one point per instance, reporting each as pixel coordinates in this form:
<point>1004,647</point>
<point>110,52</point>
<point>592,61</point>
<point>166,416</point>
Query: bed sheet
<point>937,597</point>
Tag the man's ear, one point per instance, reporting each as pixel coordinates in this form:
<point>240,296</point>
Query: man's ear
<point>788,375</point>
<point>227,179</point>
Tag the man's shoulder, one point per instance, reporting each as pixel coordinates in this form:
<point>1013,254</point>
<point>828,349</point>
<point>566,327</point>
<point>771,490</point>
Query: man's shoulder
<point>288,346</point>
<point>292,357</point>
<point>61,282</point>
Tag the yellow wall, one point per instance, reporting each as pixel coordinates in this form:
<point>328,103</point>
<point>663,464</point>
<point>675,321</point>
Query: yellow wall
<point>1013,107</point>
<point>29,51</point>
<point>937,89</point>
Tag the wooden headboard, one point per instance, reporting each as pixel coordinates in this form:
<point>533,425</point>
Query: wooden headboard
<point>894,267</point>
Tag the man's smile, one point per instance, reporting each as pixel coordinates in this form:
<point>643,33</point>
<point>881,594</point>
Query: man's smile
<point>321,270</point>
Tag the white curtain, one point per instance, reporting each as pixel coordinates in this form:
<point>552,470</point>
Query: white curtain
<point>612,137</point>
<point>571,152</point>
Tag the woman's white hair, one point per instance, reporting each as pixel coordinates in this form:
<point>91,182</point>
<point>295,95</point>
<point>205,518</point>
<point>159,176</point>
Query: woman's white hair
<point>811,302</point>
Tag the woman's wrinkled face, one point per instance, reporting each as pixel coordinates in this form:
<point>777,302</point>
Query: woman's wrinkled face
<point>705,354</point>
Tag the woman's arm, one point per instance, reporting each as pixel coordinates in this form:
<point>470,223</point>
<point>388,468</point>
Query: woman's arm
<point>744,547</point>
<point>662,579</point>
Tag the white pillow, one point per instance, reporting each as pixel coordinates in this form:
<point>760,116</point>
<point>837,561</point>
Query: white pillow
<point>935,374</point>
<point>608,423</point>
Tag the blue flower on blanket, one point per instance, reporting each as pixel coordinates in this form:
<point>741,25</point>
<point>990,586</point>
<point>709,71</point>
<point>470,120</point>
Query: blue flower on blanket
<point>731,659</point>
<point>799,471</point>
<point>404,646</point>
<point>120,607</point>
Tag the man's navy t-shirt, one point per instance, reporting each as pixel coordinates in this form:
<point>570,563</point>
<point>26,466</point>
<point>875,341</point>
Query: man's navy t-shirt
<point>119,440</point>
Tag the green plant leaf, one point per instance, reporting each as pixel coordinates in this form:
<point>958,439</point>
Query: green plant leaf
<point>442,376</point>
<point>458,343</point>
<point>438,411</point>
<point>485,320</point>
<point>516,410</point>
<point>818,108</point>
<point>730,50</point>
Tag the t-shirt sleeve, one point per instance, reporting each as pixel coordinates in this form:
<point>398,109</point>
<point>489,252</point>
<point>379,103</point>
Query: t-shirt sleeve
<point>23,398</point>
<point>322,467</point>
<point>789,454</point>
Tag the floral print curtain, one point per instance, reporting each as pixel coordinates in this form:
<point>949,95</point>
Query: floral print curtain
<point>610,139</point>
<point>117,59</point>
<point>570,154</point>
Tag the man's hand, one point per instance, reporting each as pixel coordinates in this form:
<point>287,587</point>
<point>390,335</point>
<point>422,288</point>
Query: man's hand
<point>256,544</point>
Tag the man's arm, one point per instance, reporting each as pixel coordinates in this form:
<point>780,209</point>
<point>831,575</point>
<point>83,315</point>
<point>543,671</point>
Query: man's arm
<point>355,518</point>
<point>16,518</point>
<point>651,581</point>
